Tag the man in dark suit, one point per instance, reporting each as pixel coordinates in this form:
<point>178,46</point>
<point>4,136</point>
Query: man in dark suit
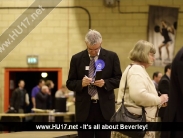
<point>174,111</point>
<point>41,103</point>
<point>95,99</point>
<point>18,100</point>
<point>156,78</point>
<point>164,88</point>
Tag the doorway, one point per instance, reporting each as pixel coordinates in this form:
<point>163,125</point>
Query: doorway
<point>31,78</point>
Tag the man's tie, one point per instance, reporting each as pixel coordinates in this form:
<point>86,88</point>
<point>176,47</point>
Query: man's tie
<point>92,90</point>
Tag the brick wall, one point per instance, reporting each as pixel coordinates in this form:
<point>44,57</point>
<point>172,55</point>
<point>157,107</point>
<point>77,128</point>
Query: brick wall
<point>61,33</point>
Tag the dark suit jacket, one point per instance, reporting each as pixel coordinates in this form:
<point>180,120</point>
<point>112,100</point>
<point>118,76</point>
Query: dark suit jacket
<point>174,111</point>
<point>16,98</point>
<point>41,100</point>
<point>164,88</point>
<point>41,103</point>
<point>111,75</point>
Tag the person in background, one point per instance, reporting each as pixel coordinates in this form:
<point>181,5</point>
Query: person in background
<point>62,93</point>
<point>35,90</point>
<point>140,91</point>
<point>174,109</point>
<point>156,78</point>
<point>41,99</point>
<point>164,88</point>
<point>50,85</point>
<point>95,99</point>
<point>20,98</point>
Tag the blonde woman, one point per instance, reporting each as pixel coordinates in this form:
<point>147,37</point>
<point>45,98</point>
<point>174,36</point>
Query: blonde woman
<point>140,88</point>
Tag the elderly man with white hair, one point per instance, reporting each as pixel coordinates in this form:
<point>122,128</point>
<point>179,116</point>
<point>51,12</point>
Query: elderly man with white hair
<point>94,74</point>
<point>41,103</point>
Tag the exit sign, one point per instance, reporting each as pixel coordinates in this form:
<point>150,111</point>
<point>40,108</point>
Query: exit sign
<point>32,60</point>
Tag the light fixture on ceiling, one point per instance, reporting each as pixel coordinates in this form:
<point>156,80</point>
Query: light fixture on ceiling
<point>44,74</point>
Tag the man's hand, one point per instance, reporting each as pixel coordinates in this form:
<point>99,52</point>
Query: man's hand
<point>49,93</point>
<point>86,81</point>
<point>99,83</point>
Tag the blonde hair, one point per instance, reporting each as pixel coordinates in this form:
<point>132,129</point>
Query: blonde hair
<point>141,50</point>
<point>48,83</point>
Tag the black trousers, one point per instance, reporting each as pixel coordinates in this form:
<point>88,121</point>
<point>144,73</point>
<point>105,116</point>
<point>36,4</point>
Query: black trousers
<point>95,115</point>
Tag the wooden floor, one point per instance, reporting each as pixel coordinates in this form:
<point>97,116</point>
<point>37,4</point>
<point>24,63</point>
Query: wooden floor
<point>39,134</point>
